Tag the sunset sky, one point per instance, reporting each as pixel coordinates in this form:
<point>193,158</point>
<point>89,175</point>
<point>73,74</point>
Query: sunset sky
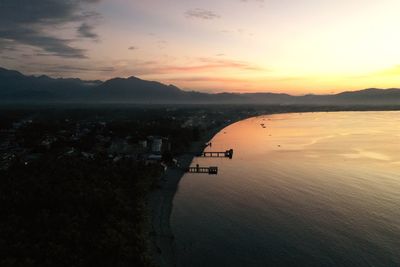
<point>291,46</point>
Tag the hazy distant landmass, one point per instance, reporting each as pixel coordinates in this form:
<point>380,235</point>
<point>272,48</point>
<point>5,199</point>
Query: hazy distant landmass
<point>16,87</point>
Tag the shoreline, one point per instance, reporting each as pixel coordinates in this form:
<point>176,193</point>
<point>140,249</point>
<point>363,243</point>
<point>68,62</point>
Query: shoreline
<point>160,200</point>
<point>160,203</point>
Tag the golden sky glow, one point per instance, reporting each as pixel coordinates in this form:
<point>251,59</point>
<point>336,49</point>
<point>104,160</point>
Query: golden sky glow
<point>291,46</point>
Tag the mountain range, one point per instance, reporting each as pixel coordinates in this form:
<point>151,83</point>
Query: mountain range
<point>16,87</point>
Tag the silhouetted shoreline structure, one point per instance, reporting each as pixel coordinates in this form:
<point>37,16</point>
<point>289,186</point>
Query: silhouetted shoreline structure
<point>212,169</point>
<point>226,154</point>
<point>198,169</point>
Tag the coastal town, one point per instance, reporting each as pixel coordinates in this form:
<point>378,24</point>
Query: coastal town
<point>106,162</point>
<point>27,139</point>
<point>84,140</point>
<point>72,173</point>
<point>150,136</point>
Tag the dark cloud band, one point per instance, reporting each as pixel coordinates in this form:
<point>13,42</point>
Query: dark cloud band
<point>28,22</point>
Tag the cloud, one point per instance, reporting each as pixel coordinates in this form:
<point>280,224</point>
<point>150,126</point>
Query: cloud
<point>86,31</point>
<point>52,45</point>
<point>132,48</point>
<point>161,44</point>
<point>8,58</point>
<point>200,65</point>
<point>229,63</point>
<point>261,3</point>
<point>206,79</point>
<point>199,13</point>
<point>7,45</point>
<point>74,68</point>
<point>27,22</point>
<point>66,70</point>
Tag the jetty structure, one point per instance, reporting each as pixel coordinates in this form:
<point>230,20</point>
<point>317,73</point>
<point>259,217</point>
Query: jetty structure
<point>207,170</point>
<point>225,154</point>
<point>210,154</point>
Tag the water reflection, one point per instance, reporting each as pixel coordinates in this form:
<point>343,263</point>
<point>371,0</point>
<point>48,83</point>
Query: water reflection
<point>315,189</point>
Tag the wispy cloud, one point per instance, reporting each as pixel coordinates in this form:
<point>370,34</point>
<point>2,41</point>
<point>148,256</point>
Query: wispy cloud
<point>86,31</point>
<point>8,58</point>
<point>205,79</point>
<point>27,22</point>
<point>259,2</point>
<point>199,13</point>
<point>197,67</point>
<point>74,68</point>
<point>67,70</point>
<point>132,48</point>
<point>202,65</point>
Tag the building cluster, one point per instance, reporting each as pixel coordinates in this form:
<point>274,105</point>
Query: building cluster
<point>10,150</point>
<point>149,150</point>
<point>107,135</point>
<point>86,140</point>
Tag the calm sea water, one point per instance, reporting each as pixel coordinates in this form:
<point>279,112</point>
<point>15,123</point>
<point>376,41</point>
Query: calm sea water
<point>315,189</point>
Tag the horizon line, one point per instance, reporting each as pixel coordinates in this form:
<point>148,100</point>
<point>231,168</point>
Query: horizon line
<point>201,91</point>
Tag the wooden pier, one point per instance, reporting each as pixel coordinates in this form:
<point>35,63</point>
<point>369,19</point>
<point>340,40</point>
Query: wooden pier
<point>226,154</point>
<point>198,169</point>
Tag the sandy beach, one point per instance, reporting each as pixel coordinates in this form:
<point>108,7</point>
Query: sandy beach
<point>160,203</point>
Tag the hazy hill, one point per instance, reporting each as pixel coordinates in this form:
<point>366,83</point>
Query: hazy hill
<point>16,87</point>
<point>135,90</point>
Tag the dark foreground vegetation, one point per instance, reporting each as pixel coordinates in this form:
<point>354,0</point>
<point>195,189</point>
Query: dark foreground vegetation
<point>74,180</point>
<point>73,212</point>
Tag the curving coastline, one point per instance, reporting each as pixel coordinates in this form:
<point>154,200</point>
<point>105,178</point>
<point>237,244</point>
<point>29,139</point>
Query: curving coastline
<point>160,200</point>
<point>160,203</point>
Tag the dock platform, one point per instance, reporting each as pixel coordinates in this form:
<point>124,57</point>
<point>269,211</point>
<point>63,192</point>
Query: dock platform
<point>226,154</point>
<point>207,170</point>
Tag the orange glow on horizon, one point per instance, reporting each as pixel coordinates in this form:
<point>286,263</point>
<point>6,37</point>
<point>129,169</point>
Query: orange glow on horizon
<point>295,47</point>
